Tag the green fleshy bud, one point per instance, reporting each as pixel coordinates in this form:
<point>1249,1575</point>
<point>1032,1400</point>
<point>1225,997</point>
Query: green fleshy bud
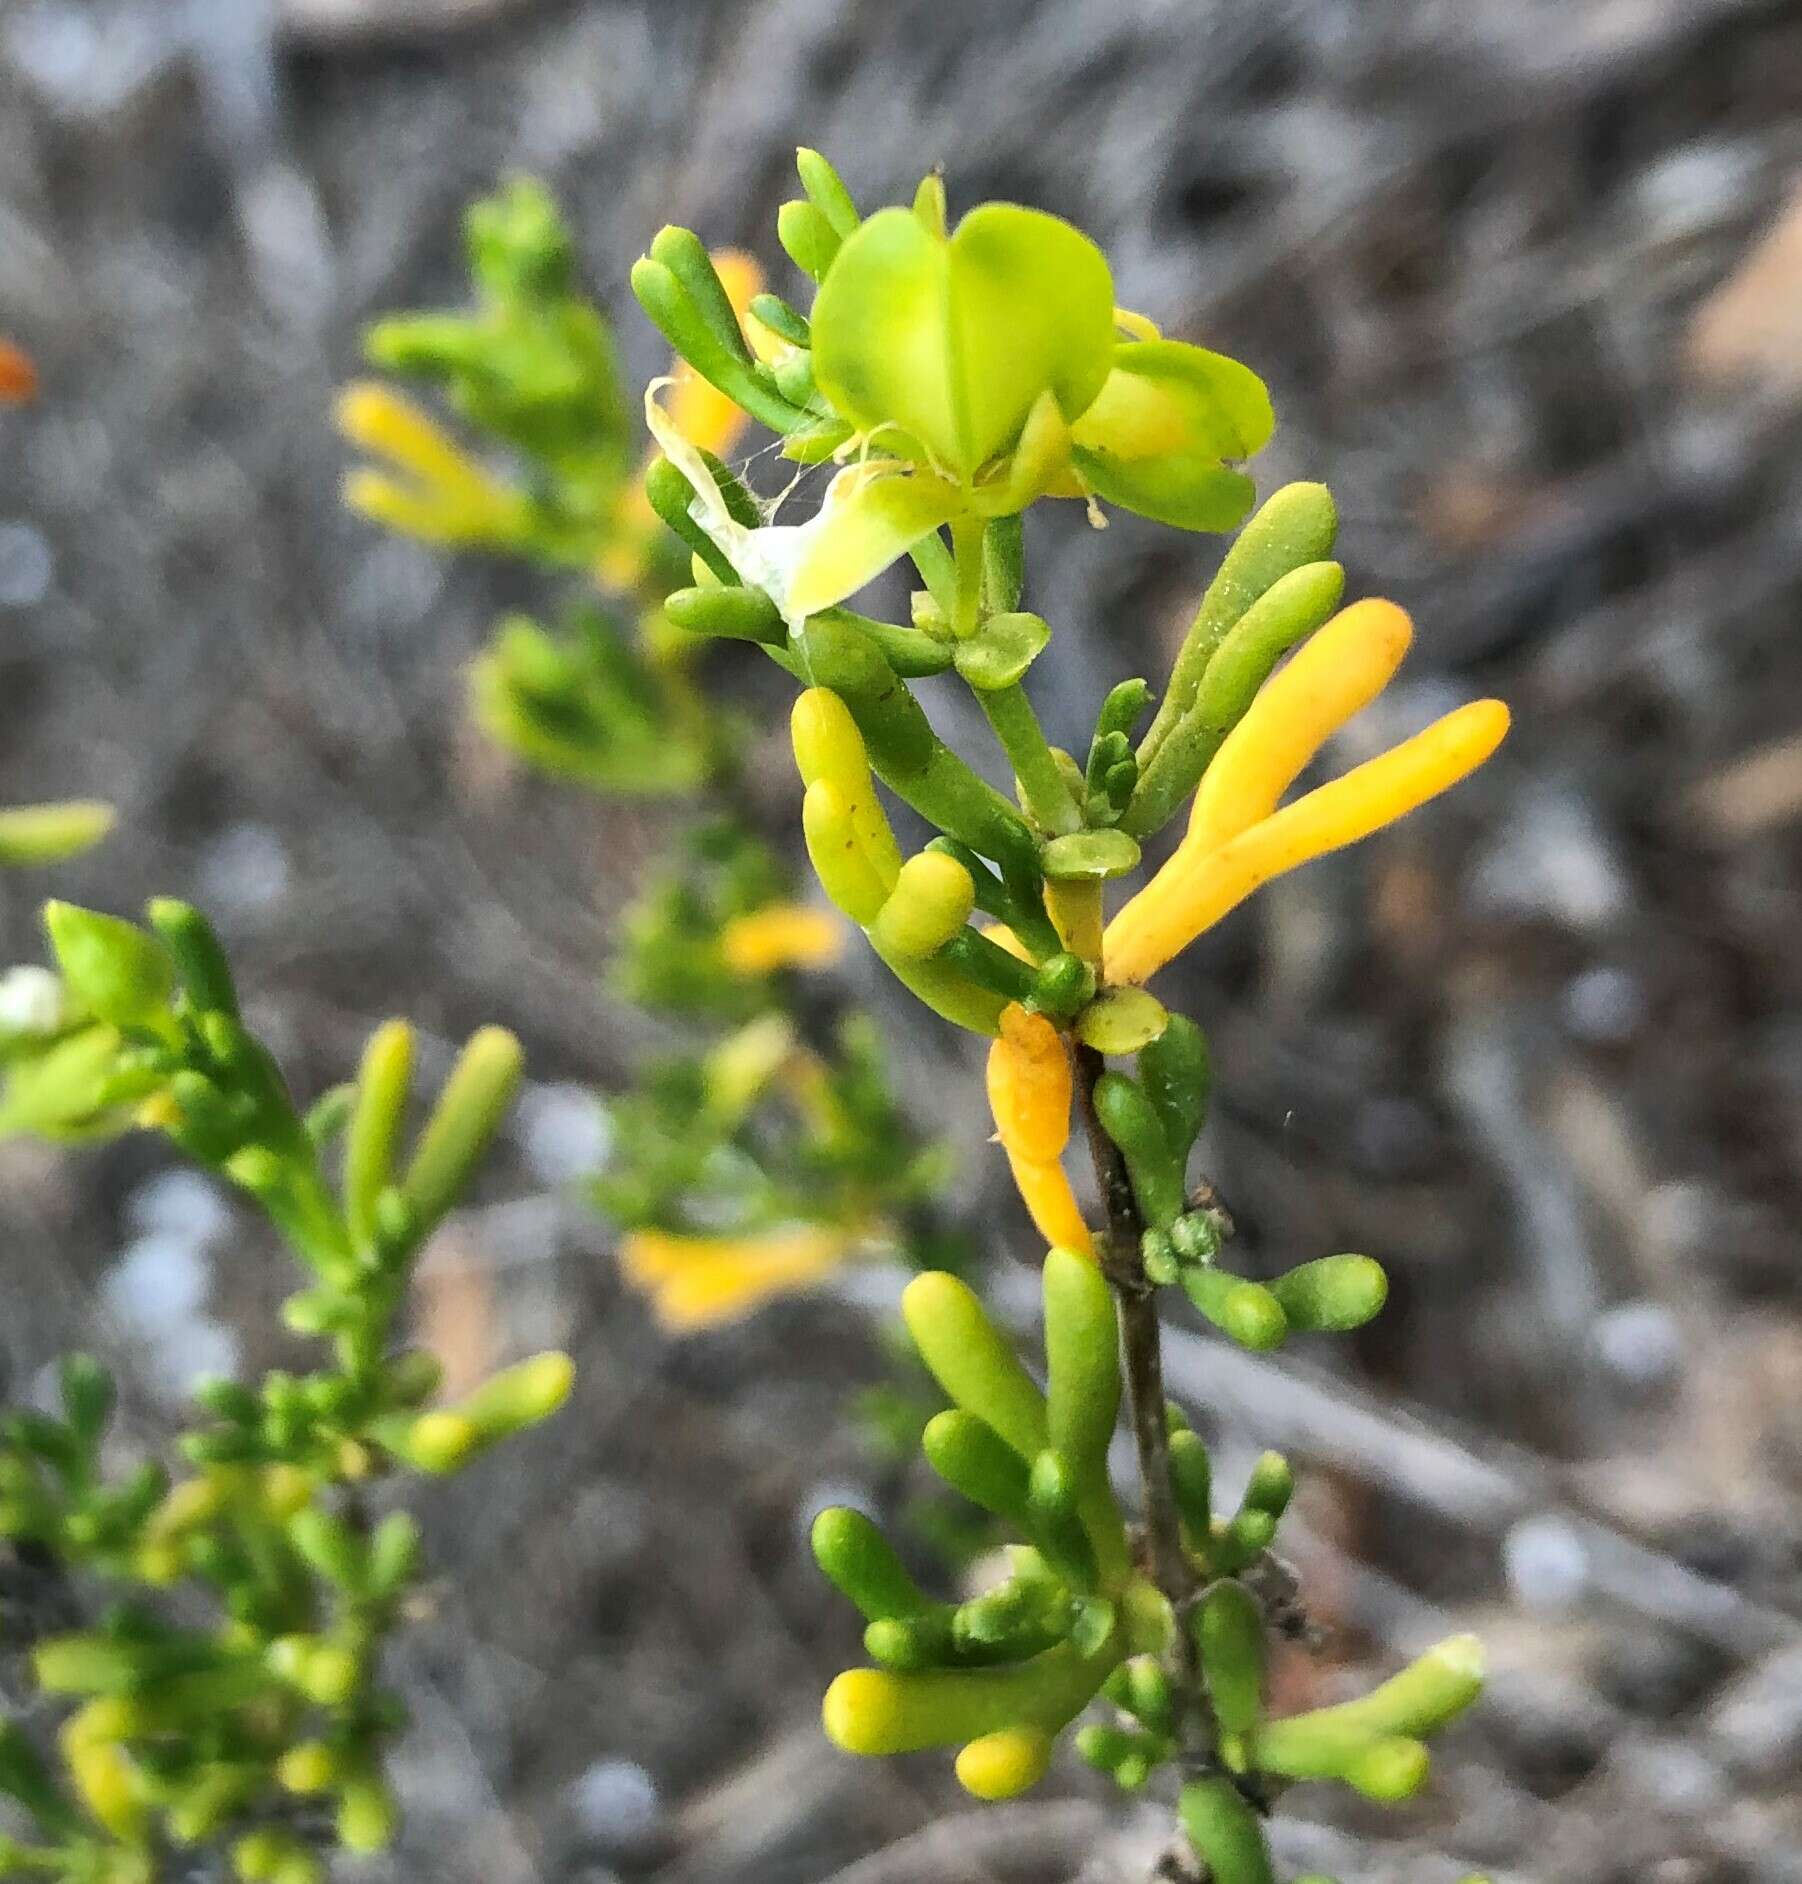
<point>1057,1527</point>
<point>1225,1832</point>
<point>1131,1121</point>
<point>733,612</point>
<point>1177,1076</point>
<point>520,1396</point>
<point>199,958</point>
<point>972,1361</point>
<point>47,834</point>
<point>373,1133</point>
<point>1157,1256</point>
<point>1229,1632</point>
<point>807,238</point>
<point>1245,1312</point>
<point>1064,985</point>
<point>469,1109</point>
<point>1389,1770</point>
<point>972,1458</point>
<point>328,1545</point>
<point>1333,1294</point>
<point>1192,1480</point>
<point>862,1564</point>
<point>911,1642</point>
<point>826,191</point>
<point>112,967</point>
<point>368,1816</point>
<point>1196,1236</point>
<point>785,322</point>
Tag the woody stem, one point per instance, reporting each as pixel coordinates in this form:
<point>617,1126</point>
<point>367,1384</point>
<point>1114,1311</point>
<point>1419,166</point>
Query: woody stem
<point>1142,1356</point>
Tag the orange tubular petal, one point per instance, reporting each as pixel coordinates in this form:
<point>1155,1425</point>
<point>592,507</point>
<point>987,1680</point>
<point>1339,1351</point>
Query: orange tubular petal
<point>696,1281</point>
<point>1052,1205</point>
<point>1335,674</point>
<point>1199,885</point>
<point>1030,1086</point>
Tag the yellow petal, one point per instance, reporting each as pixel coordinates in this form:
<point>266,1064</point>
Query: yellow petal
<point>1336,673</point>
<point>1030,1087</point>
<point>1051,1203</point>
<point>785,935</point>
<point>1004,938</point>
<point>1199,885</point>
<point>697,1281</point>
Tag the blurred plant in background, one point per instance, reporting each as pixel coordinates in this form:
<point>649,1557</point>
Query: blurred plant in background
<point>229,1690</point>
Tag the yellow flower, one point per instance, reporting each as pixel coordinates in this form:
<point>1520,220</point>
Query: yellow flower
<point>442,495</point>
<point>699,1281</point>
<point>1030,1095</point>
<point>783,935</point>
<point>1238,839</point>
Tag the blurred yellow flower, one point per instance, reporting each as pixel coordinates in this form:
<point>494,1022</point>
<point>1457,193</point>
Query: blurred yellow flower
<point>1238,839</point>
<point>699,1281</point>
<point>783,935</point>
<point>442,495</point>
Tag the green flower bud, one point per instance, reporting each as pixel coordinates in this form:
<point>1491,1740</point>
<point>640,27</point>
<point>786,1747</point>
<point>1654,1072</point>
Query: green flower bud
<point>1175,1072</point>
<point>375,1122</point>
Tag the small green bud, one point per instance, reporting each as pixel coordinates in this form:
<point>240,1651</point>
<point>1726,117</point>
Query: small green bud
<point>1192,1479</point>
<point>1225,1832</point>
<point>1157,1255</point>
<point>199,958</point>
<point>520,1396</point>
<point>1176,1073</point>
<point>1196,1236</point>
<point>1121,1020</point>
<point>368,1817</point>
<point>1057,1527</point>
<point>972,1458</point>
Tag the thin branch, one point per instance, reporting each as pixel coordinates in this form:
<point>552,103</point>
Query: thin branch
<point>1142,1359</point>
